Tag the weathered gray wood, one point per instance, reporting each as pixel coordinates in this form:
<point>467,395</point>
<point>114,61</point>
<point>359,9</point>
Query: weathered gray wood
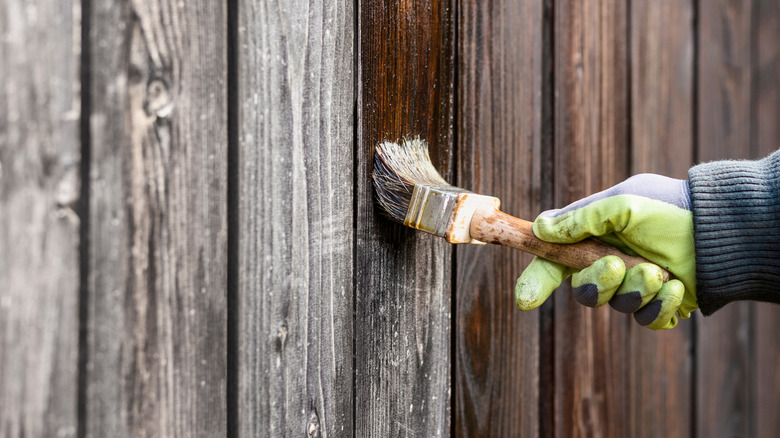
<point>402,311</point>
<point>39,225</point>
<point>499,153</point>
<point>662,125</point>
<point>295,284</point>
<point>591,154</point>
<point>723,345</point>
<point>765,139</point>
<point>158,222</point>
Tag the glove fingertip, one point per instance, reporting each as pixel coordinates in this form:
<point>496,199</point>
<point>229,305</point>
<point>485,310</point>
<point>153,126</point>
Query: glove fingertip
<point>567,227</point>
<point>554,229</point>
<point>640,285</point>
<point>538,282</point>
<point>595,285</point>
<point>628,302</point>
<point>649,313</point>
<point>661,313</point>
<point>531,293</point>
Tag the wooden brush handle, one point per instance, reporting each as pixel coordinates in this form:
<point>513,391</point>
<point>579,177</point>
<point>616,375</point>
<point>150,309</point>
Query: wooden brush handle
<point>493,226</point>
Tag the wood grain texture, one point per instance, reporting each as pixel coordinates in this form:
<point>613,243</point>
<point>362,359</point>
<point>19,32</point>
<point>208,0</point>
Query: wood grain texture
<point>402,311</point>
<point>158,223</point>
<point>766,375</point>
<point>662,124</point>
<point>765,139</point>
<point>662,69</point>
<point>499,119</point>
<point>724,342</point>
<point>295,183</point>
<point>591,144</point>
<point>39,225</point>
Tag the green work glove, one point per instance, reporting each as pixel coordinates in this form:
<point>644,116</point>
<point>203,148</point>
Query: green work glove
<point>647,215</point>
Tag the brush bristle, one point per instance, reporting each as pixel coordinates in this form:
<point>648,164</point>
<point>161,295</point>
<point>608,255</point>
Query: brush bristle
<point>397,168</point>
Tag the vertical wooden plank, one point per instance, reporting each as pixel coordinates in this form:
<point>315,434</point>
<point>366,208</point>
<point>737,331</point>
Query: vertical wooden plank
<point>157,256</point>
<point>295,183</point>
<point>724,119</point>
<point>662,124</point>
<point>662,68</point>
<point>40,47</point>
<point>765,139</point>
<point>765,131</point>
<point>402,313</point>
<point>591,144</point>
<point>499,120</point>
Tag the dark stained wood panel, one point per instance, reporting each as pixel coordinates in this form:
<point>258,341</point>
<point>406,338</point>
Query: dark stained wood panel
<point>767,370</point>
<point>662,134</point>
<point>40,155</point>
<point>765,116</point>
<point>591,153</point>
<point>403,284</point>
<point>765,139</point>
<point>158,220</point>
<point>662,87</point>
<point>724,340</point>
<point>499,153</point>
<point>295,218</point>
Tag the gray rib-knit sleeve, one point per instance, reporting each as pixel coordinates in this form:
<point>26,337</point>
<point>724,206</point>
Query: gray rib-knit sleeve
<point>736,222</point>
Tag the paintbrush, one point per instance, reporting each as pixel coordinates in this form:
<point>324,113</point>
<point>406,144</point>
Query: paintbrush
<point>410,191</point>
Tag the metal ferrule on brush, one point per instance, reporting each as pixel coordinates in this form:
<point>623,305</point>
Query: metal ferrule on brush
<point>446,211</point>
<point>431,208</point>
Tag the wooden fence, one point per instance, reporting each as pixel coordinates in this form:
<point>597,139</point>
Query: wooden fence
<point>189,244</point>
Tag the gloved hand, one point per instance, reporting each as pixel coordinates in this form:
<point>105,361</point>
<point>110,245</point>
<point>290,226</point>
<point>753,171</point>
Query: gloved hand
<point>647,215</point>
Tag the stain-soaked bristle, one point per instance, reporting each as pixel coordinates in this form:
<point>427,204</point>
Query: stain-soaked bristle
<point>397,168</point>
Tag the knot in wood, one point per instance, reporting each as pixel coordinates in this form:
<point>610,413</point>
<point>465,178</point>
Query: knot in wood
<point>281,338</point>
<point>313,428</point>
<point>158,99</point>
<point>67,189</point>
